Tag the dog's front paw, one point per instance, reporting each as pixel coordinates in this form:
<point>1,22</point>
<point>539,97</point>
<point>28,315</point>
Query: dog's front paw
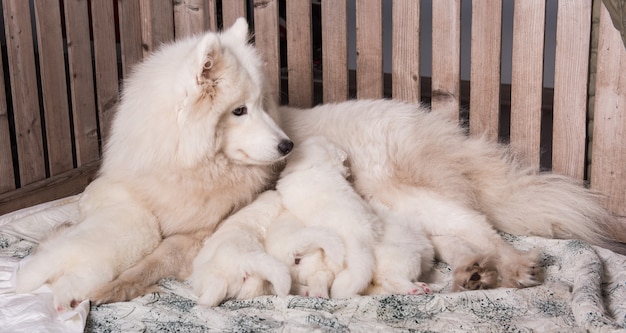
<point>478,273</point>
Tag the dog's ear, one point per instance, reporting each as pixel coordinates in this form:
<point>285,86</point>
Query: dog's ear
<point>208,54</point>
<point>238,31</point>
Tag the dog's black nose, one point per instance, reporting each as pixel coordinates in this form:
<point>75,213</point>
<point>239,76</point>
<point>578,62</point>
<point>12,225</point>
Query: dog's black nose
<point>285,146</point>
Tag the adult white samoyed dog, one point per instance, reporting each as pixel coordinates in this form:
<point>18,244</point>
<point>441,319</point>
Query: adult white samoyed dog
<point>193,140</point>
<point>196,137</point>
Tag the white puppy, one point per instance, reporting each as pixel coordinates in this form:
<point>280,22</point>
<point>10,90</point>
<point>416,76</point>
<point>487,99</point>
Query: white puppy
<point>314,189</point>
<point>233,263</point>
<point>314,255</point>
<point>402,255</point>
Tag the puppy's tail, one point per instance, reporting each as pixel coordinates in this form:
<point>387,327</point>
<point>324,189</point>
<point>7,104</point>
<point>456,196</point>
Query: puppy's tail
<point>269,269</point>
<point>552,205</point>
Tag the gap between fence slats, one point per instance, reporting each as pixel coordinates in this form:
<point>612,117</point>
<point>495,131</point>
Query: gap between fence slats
<point>446,57</point>
<point>130,34</point>
<point>405,63</point>
<point>81,81</point>
<point>7,178</point>
<point>570,88</point>
<point>266,39</point>
<point>23,89</point>
<point>190,17</point>
<point>232,10</point>
<point>527,79</point>
<point>53,86</point>
<point>608,160</point>
<point>369,49</point>
<point>299,53</point>
<point>485,68</point>
<point>157,26</point>
<point>334,51</point>
<point>105,60</point>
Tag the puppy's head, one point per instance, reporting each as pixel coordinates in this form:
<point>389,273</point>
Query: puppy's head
<point>318,151</point>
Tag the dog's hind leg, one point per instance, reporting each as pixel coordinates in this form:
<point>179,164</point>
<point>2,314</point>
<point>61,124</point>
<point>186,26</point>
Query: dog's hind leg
<point>477,247</point>
<point>172,258</point>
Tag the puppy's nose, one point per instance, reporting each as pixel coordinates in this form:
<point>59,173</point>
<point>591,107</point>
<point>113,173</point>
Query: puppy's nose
<point>285,146</point>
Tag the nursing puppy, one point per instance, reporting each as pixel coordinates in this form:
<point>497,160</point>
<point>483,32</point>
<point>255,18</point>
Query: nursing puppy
<point>314,255</point>
<point>313,188</point>
<point>403,254</point>
<point>193,140</point>
<point>233,262</point>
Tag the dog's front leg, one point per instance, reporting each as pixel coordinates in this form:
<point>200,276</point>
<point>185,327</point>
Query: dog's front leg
<point>172,258</point>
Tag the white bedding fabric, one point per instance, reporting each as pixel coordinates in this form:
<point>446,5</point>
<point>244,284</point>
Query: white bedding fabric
<point>585,290</point>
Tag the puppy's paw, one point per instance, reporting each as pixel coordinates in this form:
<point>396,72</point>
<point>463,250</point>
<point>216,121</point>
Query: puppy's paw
<point>343,286</point>
<point>521,270</point>
<point>419,289</point>
<point>478,273</point>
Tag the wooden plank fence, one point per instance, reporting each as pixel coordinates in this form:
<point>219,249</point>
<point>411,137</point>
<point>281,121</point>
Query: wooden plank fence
<point>64,67</point>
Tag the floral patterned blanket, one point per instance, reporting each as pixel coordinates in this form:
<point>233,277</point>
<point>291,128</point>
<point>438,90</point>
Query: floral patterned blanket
<point>584,290</point>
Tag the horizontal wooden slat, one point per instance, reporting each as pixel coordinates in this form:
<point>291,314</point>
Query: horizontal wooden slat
<point>62,185</point>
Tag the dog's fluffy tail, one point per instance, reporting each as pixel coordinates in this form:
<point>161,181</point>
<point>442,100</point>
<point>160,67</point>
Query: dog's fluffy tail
<point>551,205</point>
<point>269,269</point>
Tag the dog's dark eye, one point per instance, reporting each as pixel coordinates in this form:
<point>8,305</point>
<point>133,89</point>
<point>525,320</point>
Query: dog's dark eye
<point>296,261</point>
<point>240,111</point>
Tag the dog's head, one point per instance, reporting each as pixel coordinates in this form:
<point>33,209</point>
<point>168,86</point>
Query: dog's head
<point>228,87</point>
<point>198,98</point>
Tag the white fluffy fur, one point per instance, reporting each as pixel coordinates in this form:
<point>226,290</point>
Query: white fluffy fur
<point>402,255</point>
<point>314,254</point>
<point>423,166</point>
<point>192,141</point>
<point>314,189</point>
<point>233,262</point>
<point>183,155</point>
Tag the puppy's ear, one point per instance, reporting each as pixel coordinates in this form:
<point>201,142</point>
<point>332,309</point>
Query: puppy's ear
<point>339,155</point>
<point>238,31</point>
<point>208,57</point>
